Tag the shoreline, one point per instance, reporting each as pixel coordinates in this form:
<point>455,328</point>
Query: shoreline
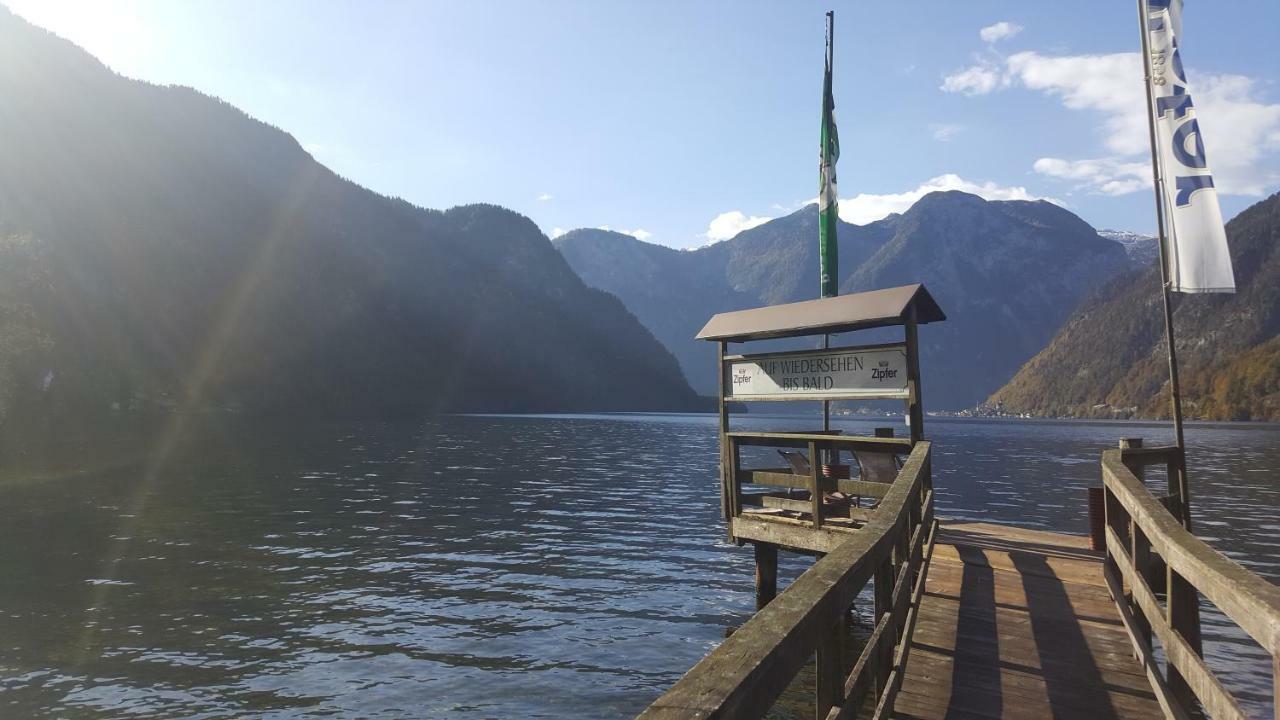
<point>886,418</point>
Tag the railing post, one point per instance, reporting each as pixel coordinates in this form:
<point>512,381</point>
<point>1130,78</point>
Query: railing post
<point>902,545</point>
<point>883,654</point>
<point>828,670</point>
<point>915,552</point>
<point>1117,519</point>
<point>1135,467</point>
<point>1140,551</point>
<point>902,555</point>
<point>1117,516</point>
<point>1184,617</point>
<point>916,514</point>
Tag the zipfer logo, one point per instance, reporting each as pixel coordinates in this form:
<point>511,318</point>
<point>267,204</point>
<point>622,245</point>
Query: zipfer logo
<point>884,372</point>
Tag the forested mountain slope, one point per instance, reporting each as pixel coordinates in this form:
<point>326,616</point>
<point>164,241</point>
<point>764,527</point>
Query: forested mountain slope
<point>161,251</point>
<point>1110,360</point>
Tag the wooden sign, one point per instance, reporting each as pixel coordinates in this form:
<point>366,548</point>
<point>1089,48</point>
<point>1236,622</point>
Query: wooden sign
<point>866,373</point>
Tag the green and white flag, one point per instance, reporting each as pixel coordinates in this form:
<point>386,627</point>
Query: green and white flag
<point>827,202</point>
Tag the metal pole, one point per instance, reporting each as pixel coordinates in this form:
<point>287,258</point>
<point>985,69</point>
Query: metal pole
<point>831,40</point>
<point>826,339</point>
<point>826,404</point>
<point>1174,387</point>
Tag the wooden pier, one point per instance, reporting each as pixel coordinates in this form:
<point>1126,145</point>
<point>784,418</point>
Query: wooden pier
<point>977,620</point>
<point>1018,623</point>
<point>967,621</point>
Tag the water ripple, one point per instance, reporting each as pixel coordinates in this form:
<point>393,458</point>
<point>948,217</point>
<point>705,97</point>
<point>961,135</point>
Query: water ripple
<point>479,566</point>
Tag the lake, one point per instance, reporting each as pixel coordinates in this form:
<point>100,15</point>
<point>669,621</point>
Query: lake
<point>475,567</point>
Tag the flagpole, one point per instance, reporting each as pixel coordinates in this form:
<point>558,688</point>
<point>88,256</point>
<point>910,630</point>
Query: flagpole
<point>826,337</point>
<point>1157,180</point>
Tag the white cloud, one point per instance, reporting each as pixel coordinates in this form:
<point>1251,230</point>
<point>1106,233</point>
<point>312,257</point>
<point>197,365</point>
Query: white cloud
<point>975,80</point>
<point>866,207</point>
<point>943,132</point>
<point>987,75</point>
<point>557,232</point>
<point>118,34</point>
<point>1000,31</point>
<point>544,197</point>
<point>639,233</point>
<point>1241,130</point>
<point>1105,175</point>
<point>727,224</point>
<point>1110,84</point>
<point>1242,133</point>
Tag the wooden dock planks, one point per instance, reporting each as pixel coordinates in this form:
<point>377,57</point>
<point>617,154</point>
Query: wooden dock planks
<point>1018,623</point>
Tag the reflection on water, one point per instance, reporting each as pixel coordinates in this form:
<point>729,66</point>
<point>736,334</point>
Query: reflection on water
<point>474,566</point>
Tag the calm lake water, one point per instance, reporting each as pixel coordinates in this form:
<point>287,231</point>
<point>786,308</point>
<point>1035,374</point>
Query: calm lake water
<point>554,567</point>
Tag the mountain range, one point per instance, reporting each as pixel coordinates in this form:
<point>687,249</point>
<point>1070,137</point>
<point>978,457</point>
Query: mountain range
<point>162,251</point>
<point>1109,359</point>
<point>1142,249</point>
<point>1007,273</point>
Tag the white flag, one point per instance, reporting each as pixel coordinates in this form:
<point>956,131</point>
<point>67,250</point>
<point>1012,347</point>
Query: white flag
<point>1199,261</point>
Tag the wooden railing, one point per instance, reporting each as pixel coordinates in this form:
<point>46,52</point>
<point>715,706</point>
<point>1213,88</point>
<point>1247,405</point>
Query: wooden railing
<point>1143,535</point>
<point>735,476</point>
<point>746,674</point>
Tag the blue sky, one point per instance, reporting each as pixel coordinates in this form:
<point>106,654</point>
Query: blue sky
<point>684,122</point>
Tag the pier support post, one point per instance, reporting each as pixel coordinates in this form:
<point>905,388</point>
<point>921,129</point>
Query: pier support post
<point>1096,497</point>
<point>766,573</point>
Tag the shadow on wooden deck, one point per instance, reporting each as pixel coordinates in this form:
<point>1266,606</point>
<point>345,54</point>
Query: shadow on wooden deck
<point>1018,624</point>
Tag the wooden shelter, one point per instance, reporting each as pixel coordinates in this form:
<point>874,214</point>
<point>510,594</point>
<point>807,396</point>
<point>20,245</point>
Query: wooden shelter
<point>812,505</point>
<point>907,306</point>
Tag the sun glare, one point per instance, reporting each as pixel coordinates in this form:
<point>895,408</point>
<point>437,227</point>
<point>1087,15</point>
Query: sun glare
<point>114,32</point>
